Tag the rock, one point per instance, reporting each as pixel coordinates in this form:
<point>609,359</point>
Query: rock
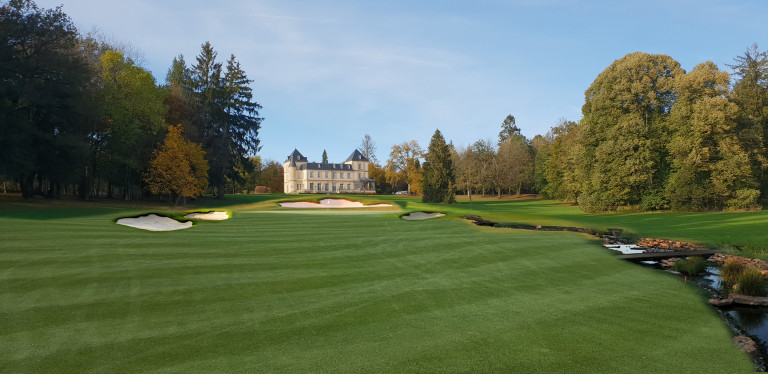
<point>746,344</point>
<point>720,302</point>
<point>749,300</point>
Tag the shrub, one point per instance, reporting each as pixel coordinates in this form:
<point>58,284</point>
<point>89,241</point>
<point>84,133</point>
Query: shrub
<point>751,282</point>
<point>691,266</point>
<point>731,271</point>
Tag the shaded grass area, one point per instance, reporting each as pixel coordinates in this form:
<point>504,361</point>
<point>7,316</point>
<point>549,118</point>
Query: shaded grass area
<point>268,291</point>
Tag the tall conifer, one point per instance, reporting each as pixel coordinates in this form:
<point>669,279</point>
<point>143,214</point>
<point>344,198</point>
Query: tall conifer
<point>438,177</point>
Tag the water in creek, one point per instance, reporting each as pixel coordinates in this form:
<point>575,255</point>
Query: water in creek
<point>753,319</point>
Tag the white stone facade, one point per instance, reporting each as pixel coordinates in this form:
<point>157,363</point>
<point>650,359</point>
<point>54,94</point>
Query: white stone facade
<point>351,176</point>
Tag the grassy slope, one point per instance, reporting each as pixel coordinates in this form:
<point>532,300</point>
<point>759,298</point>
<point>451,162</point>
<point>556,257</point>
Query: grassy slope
<point>337,292</point>
<point>743,229</point>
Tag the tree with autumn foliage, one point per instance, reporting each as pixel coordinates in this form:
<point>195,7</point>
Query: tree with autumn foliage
<point>178,168</point>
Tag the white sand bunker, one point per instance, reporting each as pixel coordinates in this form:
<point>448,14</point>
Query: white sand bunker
<point>153,222</point>
<point>330,203</point>
<point>210,216</point>
<point>417,216</point>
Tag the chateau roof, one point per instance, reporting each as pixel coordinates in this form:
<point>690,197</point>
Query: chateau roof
<point>357,156</point>
<point>321,166</point>
<point>295,156</point>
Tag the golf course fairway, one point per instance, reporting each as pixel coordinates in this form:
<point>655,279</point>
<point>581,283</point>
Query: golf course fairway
<point>339,291</point>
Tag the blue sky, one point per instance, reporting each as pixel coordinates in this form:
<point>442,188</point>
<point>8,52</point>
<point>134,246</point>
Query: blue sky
<point>329,72</point>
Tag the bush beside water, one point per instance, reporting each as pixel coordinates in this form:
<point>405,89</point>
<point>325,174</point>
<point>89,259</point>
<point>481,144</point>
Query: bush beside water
<point>691,265</point>
<point>743,279</point>
<point>731,270</point>
<point>751,282</point>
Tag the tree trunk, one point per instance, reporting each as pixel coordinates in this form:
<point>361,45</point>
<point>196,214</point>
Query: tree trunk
<point>469,193</point>
<point>220,191</point>
<point>27,185</point>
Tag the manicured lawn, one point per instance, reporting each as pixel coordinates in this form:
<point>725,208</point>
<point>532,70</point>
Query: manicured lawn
<point>281,290</point>
<point>747,230</point>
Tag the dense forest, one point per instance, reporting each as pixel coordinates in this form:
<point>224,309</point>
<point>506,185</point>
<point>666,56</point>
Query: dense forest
<point>79,116</point>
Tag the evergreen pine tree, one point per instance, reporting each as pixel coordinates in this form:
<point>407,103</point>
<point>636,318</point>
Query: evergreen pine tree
<point>438,177</point>
<point>226,119</point>
<point>325,157</point>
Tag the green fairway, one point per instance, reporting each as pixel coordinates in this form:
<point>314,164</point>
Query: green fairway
<point>293,290</point>
<point>745,230</point>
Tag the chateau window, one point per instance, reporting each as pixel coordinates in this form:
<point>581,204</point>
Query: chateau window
<point>348,176</point>
<point>326,175</point>
<point>311,175</point>
<point>311,186</point>
<point>334,175</point>
<point>326,186</point>
<point>348,186</point>
<point>341,187</point>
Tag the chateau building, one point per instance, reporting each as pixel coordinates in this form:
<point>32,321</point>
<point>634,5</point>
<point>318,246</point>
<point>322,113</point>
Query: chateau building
<point>351,176</point>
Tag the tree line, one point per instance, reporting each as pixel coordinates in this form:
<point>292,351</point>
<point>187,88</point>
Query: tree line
<point>655,137</point>
<point>79,116</point>
<point>652,137</point>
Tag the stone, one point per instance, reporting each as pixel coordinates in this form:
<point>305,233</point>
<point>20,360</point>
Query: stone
<point>746,344</point>
<point>720,302</point>
<point>749,300</point>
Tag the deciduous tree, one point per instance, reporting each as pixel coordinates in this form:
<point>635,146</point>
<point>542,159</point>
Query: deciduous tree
<point>272,176</point>
<point>516,163</point>
<point>403,165</point>
<point>750,93</point>
<point>178,168</point>
<point>368,148</point>
<point>624,133</point>
<point>467,170</point>
<point>561,164</point>
<point>709,169</point>
<point>132,121</point>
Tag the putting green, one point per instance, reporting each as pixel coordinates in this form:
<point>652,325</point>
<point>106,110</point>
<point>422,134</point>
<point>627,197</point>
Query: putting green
<point>283,292</point>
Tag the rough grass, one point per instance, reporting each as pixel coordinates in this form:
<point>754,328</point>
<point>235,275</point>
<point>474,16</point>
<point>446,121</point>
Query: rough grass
<point>751,282</point>
<point>275,290</point>
<point>691,266</point>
